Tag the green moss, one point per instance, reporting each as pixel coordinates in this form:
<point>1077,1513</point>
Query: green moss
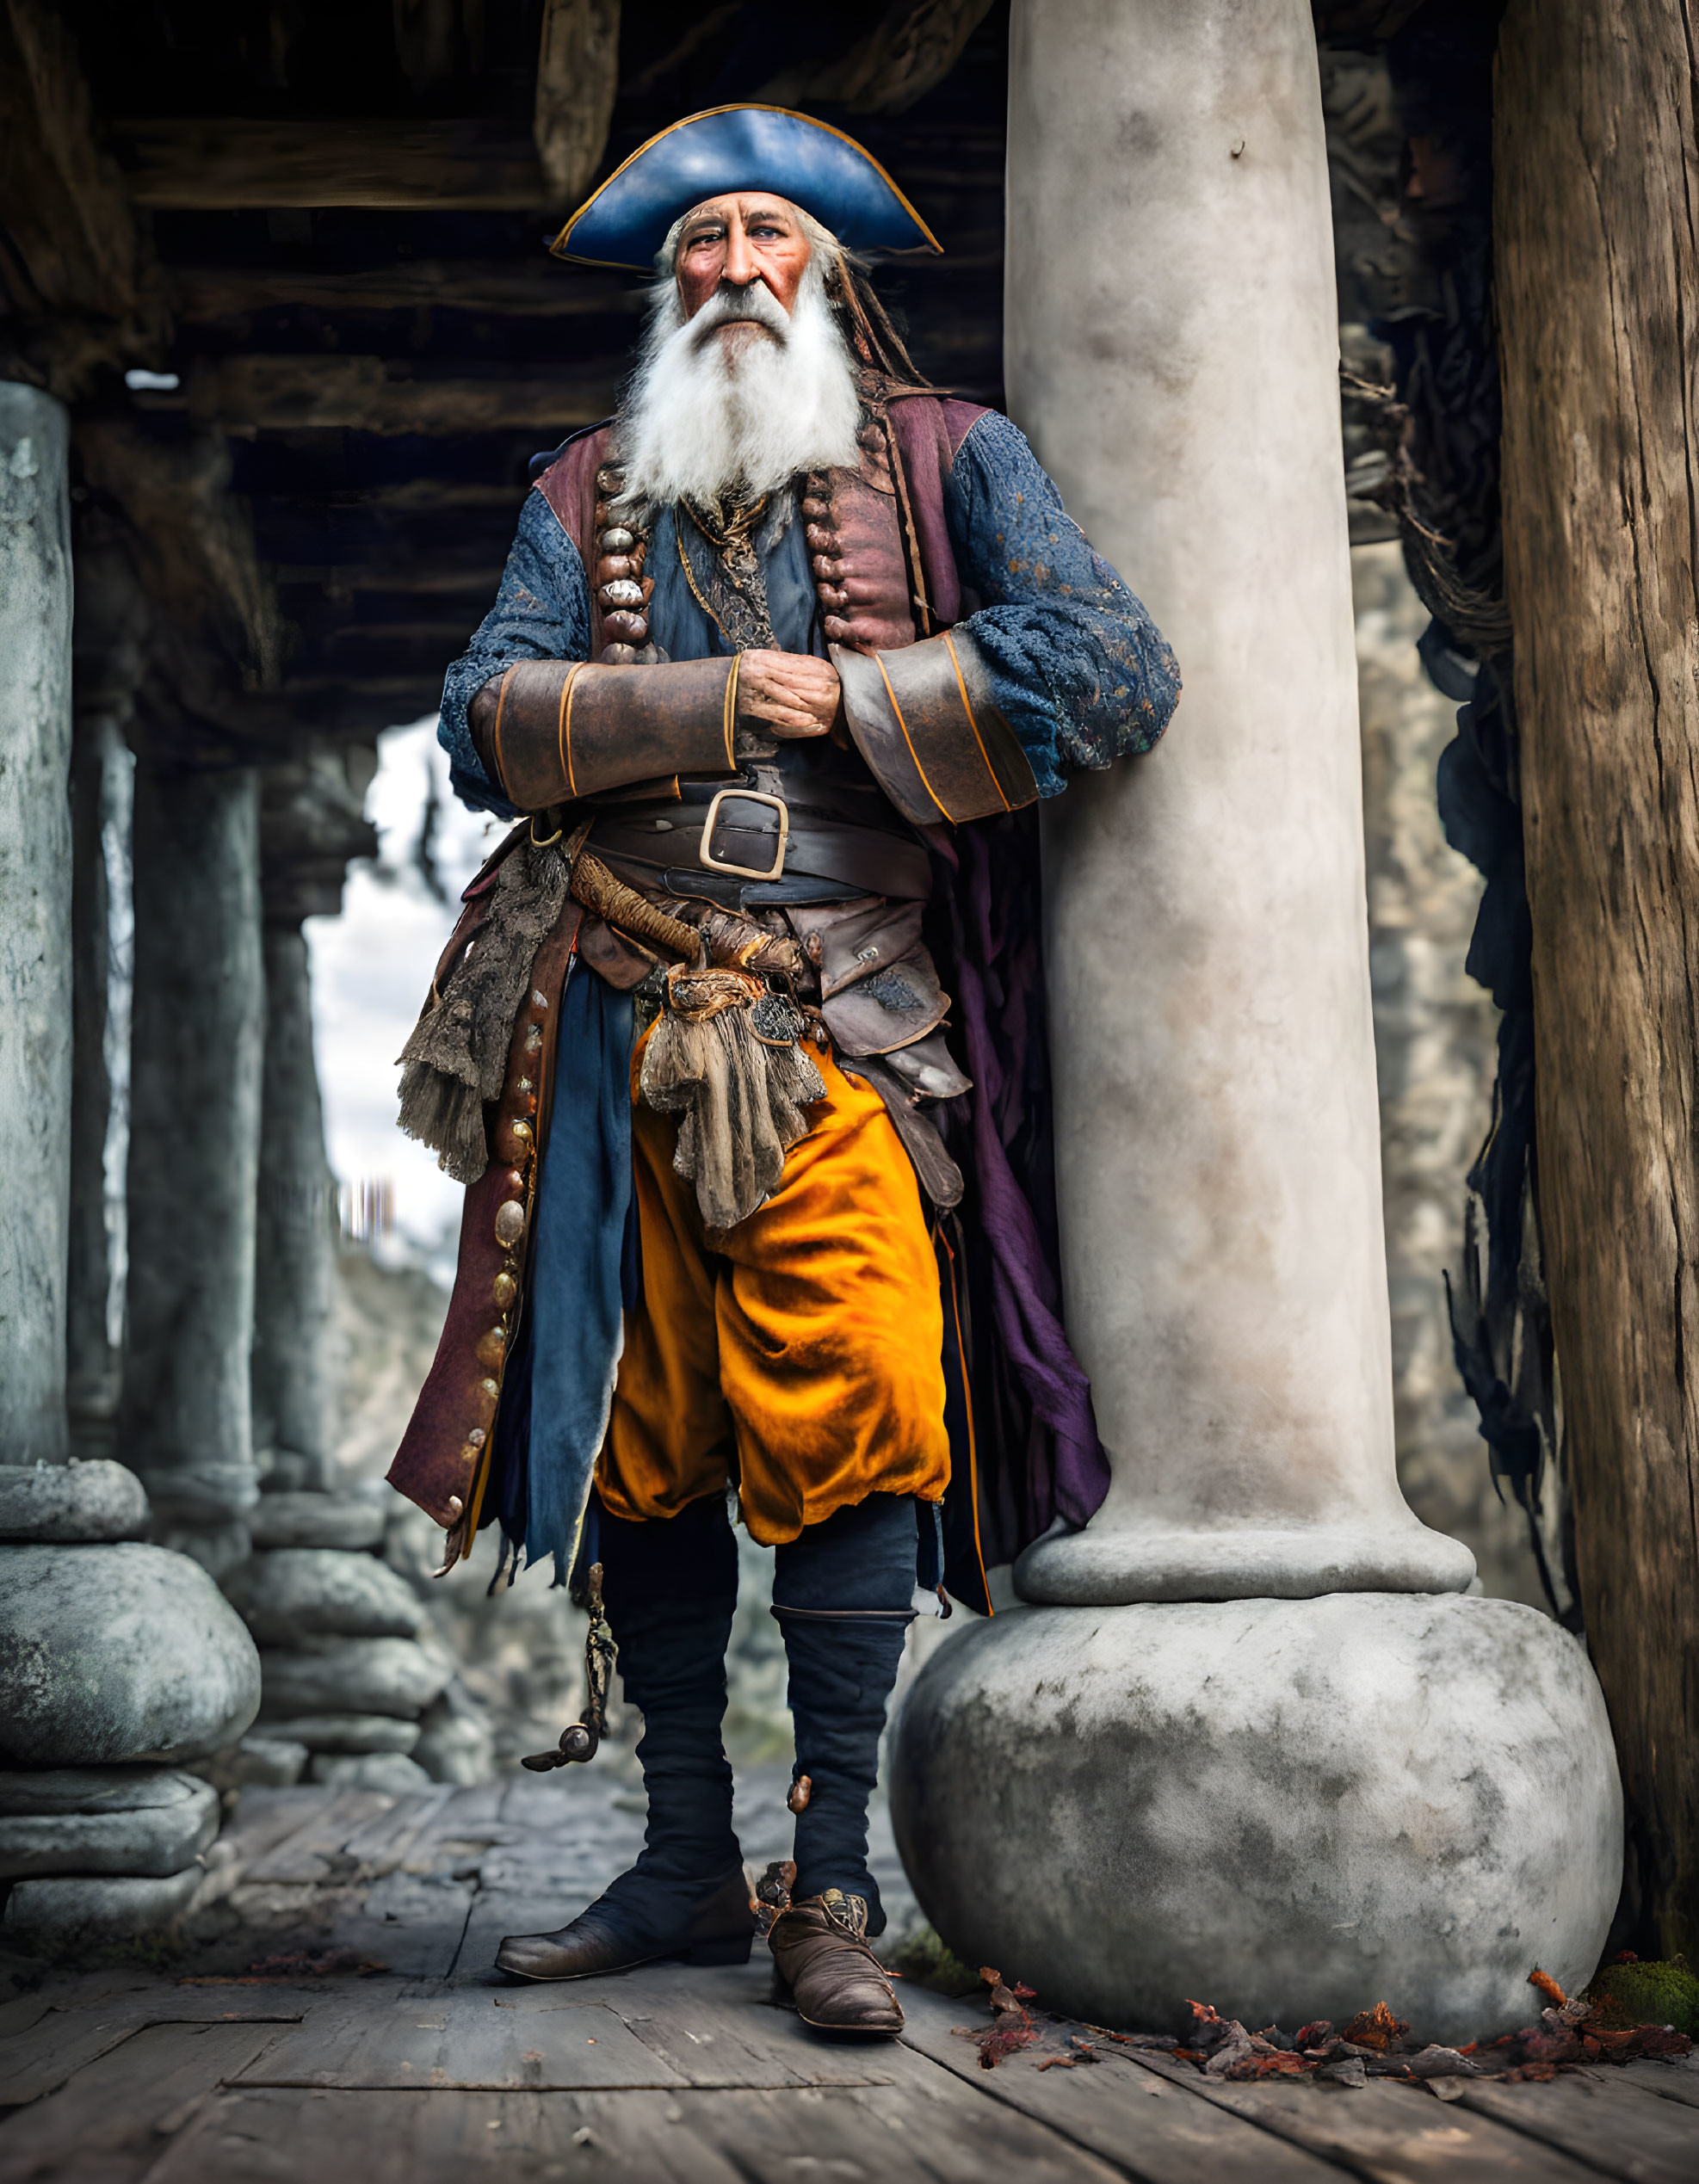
<point>922,1957</point>
<point>1647,1994</point>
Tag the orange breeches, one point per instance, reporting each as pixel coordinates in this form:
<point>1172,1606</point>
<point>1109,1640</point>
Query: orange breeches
<point>795,1355</point>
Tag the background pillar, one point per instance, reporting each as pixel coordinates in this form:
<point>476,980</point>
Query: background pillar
<point>295,1275</point>
<point>348,1660</point>
<point>108,653</point>
<point>198,1037</point>
<point>34,923</point>
<point>1212,1781</point>
<point>111,1653</point>
<point>101,781</point>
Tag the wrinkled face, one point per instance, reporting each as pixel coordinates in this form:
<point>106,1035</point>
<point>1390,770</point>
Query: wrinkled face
<point>730,244</point>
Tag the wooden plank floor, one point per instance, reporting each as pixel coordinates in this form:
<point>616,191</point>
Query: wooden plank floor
<point>432,2069</point>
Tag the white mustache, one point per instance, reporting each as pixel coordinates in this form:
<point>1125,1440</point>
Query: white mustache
<point>753,305</point>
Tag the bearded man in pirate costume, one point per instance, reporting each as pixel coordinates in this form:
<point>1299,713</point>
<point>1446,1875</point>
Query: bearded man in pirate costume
<point>782,657</point>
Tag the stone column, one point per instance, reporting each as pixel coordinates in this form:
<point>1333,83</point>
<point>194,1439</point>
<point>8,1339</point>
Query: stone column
<point>348,1662</point>
<point>108,656</point>
<point>311,825</point>
<point>197,1040</point>
<point>295,1275</point>
<point>34,923</point>
<point>102,783</point>
<point>112,1653</point>
<point>1253,1748</point>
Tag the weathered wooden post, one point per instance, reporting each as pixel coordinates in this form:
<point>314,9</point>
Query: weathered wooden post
<point>1251,1743</point>
<point>1597,167</point>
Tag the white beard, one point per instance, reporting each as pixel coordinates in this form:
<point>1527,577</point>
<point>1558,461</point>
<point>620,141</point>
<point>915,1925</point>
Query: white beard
<point>700,422</point>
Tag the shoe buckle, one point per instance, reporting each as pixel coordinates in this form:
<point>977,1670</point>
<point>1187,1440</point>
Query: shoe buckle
<point>848,1912</point>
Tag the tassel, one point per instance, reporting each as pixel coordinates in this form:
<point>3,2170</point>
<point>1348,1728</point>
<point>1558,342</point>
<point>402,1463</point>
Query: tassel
<point>724,1057</point>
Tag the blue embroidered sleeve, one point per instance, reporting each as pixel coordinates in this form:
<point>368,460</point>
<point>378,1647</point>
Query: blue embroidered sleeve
<point>541,613</point>
<point>1081,672</point>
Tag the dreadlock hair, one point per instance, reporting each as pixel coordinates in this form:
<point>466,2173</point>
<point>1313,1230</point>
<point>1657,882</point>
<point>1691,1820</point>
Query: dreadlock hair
<point>868,326</point>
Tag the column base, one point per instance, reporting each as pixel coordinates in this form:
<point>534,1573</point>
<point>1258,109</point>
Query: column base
<point>1290,1809</point>
<point>1111,1564</point>
<point>116,1655</point>
<point>64,1920</point>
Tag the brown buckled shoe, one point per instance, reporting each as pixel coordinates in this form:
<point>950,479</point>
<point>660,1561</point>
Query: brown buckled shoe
<point>719,1929</point>
<point>824,1968</point>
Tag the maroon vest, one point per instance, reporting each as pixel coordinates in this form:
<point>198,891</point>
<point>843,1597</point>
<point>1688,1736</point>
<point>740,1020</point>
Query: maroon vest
<point>882,560</point>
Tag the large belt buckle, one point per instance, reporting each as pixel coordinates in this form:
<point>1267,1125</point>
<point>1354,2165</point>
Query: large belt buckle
<point>705,851</point>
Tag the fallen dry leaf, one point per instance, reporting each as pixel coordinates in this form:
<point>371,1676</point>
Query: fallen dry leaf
<point>1548,1987</point>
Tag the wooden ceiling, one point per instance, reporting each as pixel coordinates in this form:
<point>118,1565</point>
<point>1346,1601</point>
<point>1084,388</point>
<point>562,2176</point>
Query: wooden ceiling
<point>326,220</point>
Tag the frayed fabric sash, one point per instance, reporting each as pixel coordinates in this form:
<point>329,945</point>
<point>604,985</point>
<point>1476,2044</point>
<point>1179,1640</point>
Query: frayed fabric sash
<point>713,1059</point>
<point>719,1059</point>
<point>456,1058</point>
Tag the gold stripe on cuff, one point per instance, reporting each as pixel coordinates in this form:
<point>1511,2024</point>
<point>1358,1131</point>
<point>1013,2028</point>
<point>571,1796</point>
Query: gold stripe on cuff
<point>907,738</point>
<point>496,734</point>
<point>729,718</point>
<point>566,728</point>
<point>967,707</point>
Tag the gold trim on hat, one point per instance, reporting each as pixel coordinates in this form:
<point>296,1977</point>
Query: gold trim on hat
<point>557,249</point>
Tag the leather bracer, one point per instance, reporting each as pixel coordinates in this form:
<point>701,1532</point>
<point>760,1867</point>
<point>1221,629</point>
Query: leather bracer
<point>566,728</point>
<point>923,717</point>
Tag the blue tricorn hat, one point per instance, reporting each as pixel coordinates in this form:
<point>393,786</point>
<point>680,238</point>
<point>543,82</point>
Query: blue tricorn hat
<point>733,148</point>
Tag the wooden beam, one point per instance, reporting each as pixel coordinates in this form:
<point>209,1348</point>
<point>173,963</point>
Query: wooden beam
<point>197,562</point>
<point>353,705</point>
<point>424,649</point>
<point>912,47</point>
<point>546,289</point>
<point>249,394</point>
<point>459,576</point>
<point>393,166</point>
<point>578,74</point>
<point>76,274</point>
<point>429,496</point>
<point>1596,157</point>
<point>428,41</point>
<point>357,542</point>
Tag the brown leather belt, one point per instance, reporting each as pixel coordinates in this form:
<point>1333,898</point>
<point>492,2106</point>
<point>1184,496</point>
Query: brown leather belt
<point>757,839</point>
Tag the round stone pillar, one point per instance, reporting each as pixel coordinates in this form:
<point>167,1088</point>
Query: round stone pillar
<point>110,640</point>
<point>1209,1777</point>
<point>294,1362</point>
<point>34,923</point>
<point>102,778</point>
<point>197,1041</point>
<point>1224,1263</point>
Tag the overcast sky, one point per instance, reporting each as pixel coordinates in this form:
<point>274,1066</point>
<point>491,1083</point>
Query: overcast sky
<point>371,971</point>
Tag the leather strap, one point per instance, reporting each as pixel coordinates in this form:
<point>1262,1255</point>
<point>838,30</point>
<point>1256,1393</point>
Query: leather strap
<point>567,729</point>
<point>940,1177</point>
<point>924,718</point>
<point>861,857</point>
<point>691,883</point>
